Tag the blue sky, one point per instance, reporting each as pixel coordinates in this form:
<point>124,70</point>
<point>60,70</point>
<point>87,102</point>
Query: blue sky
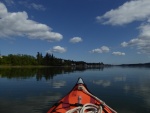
<point>108,31</point>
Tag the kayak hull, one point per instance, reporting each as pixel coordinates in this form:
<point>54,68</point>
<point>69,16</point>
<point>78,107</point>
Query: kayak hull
<point>77,98</point>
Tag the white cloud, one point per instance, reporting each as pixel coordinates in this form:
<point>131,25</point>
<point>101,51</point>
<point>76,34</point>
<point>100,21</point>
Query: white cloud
<point>57,49</point>
<point>118,53</point>
<point>98,50</point>
<point>103,49</point>
<point>134,10</point>
<point>3,10</point>
<point>9,2</point>
<point>38,6</point>
<point>124,44</point>
<point>76,39</point>
<point>18,24</point>
<point>32,5</point>
<point>142,42</point>
<point>144,30</point>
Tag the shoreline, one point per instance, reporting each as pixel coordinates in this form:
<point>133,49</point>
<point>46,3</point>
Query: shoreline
<point>29,66</point>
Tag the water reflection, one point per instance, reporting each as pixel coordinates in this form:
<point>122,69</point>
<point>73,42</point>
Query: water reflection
<point>127,90</point>
<point>30,104</point>
<point>59,84</point>
<point>104,83</point>
<point>141,88</point>
<point>47,73</point>
<point>128,87</point>
<point>24,73</point>
<point>120,78</point>
<point>39,73</point>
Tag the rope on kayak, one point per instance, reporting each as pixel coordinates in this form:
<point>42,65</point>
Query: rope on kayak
<point>102,102</point>
<point>87,108</point>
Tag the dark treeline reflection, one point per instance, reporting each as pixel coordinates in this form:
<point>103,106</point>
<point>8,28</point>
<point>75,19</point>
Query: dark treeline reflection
<point>39,73</point>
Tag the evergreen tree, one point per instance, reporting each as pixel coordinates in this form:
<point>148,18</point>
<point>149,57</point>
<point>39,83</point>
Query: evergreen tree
<point>39,58</point>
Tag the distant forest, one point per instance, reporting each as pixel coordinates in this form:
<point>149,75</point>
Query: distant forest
<point>40,60</point>
<point>136,65</point>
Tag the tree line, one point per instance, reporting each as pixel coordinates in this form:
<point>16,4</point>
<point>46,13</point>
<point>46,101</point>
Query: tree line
<point>46,60</point>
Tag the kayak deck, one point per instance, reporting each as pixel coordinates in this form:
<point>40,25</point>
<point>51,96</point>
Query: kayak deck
<point>80,100</point>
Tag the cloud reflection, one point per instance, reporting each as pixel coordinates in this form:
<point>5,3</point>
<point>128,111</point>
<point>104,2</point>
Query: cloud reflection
<point>120,78</point>
<point>143,91</point>
<point>58,84</point>
<point>30,104</point>
<point>104,83</point>
<point>126,88</point>
<point>140,88</point>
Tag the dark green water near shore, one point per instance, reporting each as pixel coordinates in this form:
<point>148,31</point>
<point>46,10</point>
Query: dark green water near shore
<point>34,90</point>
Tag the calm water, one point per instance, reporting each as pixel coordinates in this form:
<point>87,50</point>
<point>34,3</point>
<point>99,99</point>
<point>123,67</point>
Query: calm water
<point>32,90</point>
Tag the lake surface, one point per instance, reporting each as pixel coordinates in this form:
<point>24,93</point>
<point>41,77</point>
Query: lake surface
<point>35,90</point>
